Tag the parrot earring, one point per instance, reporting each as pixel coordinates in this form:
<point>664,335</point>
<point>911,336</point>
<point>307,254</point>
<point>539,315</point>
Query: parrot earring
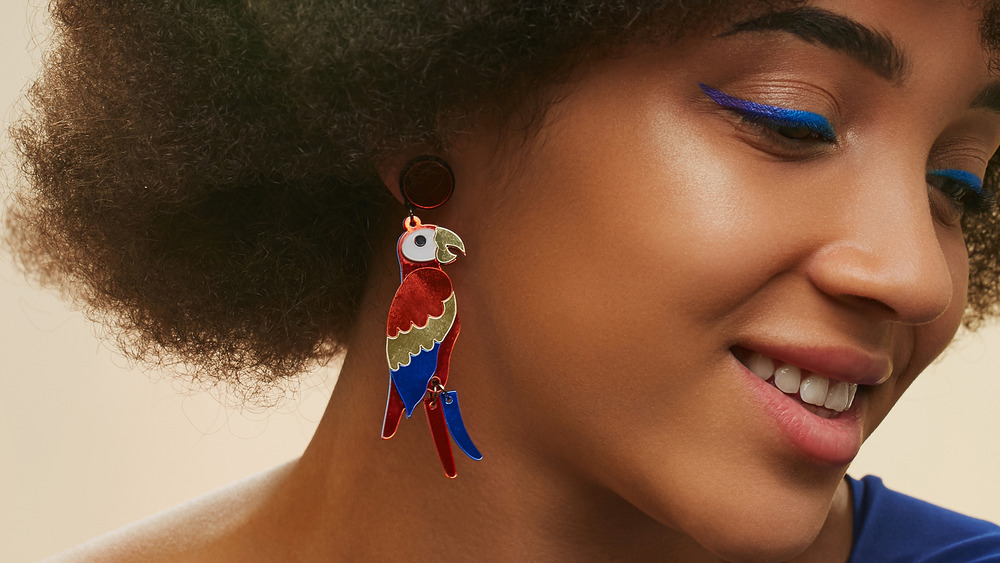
<point>423,319</point>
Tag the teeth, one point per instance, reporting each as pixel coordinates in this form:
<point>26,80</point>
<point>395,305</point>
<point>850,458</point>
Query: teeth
<point>837,397</point>
<point>813,389</point>
<point>787,378</point>
<point>761,366</point>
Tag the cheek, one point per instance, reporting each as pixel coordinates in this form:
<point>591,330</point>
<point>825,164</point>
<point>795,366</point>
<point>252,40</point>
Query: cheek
<point>617,253</point>
<point>931,339</point>
<point>924,343</point>
<point>625,214</point>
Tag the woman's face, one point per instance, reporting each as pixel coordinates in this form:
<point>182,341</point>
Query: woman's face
<point>661,232</point>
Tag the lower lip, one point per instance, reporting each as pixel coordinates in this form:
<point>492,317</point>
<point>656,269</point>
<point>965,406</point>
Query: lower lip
<point>832,441</point>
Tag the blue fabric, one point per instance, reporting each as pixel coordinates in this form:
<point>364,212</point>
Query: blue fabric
<point>890,526</point>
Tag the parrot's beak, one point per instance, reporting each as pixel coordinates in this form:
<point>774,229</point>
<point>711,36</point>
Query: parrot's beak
<point>445,240</point>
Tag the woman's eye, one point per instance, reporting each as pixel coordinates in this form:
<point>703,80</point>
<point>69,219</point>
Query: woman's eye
<point>792,124</point>
<point>964,189</point>
<point>794,132</point>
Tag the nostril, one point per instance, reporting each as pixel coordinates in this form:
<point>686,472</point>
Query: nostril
<point>873,304</point>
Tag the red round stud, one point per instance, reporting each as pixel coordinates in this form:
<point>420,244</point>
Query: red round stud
<point>426,182</point>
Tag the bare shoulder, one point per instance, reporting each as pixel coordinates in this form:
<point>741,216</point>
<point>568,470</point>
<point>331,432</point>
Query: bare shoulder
<point>208,528</point>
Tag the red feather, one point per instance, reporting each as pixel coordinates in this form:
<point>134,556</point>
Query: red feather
<point>439,432</point>
<point>421,295</point>
<point>394,409</point>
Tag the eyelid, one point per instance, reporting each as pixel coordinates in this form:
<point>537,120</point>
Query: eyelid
<point>784,116</point>
<point>967,178</point>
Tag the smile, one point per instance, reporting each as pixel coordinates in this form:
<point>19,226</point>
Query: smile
<point>820,395</point>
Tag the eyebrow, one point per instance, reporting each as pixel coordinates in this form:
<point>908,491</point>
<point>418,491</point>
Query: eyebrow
<point>871,48</point>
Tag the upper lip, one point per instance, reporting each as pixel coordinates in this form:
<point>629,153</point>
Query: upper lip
<point>842,363</point>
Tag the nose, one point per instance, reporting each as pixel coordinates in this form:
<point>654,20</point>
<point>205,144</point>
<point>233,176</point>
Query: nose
<point>885,255</point>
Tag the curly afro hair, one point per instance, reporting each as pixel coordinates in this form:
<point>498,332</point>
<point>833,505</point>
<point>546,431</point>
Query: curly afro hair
<point>201,175</point>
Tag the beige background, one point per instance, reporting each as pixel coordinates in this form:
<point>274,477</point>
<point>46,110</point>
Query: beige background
<point>88,444</point>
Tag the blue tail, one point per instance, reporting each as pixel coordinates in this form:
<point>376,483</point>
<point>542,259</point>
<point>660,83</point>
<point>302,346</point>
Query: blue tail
<point>453,416</point>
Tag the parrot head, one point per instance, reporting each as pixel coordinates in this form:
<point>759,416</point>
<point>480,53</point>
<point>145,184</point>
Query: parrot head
<point>427,245</point>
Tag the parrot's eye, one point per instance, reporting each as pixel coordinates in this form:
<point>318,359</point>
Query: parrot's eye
<point>415,245</point>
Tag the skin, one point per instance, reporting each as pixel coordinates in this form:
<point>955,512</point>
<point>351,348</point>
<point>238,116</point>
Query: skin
<point>616,258</point>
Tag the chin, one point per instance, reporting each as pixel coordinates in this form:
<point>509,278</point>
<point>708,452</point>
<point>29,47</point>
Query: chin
<point>750,517</point>
<point>773,533</point>
<point>760,548</point>
<point>755,538</point>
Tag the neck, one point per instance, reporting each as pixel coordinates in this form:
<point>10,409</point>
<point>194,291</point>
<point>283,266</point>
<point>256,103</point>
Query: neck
<point>354,496</point>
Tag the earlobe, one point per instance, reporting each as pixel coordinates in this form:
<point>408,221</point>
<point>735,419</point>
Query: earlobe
<point>389,171</point>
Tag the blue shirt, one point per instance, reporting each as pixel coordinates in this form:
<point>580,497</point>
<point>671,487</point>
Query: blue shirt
<point>890,526</point>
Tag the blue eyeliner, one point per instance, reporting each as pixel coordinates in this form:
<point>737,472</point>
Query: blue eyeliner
<point>773,114</point>
<point>967,178</point>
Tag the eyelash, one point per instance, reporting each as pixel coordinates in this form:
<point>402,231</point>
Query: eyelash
<point>965,189</point>
<point>773,117</point>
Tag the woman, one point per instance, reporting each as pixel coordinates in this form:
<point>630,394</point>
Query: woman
<point>708,248</point>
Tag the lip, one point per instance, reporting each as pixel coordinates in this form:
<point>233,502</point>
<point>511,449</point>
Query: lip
<point>842,363</point>
<point>827,441</point>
